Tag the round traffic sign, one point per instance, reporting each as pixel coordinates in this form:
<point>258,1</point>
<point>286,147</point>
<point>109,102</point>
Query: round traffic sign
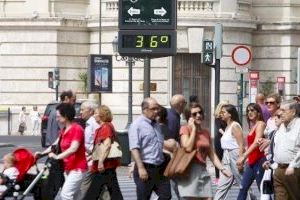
<point>241,55</point>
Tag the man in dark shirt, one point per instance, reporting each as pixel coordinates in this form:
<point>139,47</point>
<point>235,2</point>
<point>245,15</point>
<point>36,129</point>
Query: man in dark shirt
<point>177,104</point>
<point>52,125</point>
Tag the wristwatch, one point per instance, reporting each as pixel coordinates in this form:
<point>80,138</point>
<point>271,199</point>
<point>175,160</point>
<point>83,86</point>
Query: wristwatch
<point>222,169</point>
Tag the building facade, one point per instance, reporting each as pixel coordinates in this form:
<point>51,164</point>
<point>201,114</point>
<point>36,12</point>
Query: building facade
<point>38,35</point>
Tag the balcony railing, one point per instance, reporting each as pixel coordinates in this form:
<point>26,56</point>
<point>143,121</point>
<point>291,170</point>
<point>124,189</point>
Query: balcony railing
<point>183,6</point>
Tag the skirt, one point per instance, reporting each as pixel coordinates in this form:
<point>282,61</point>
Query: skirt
<point>196,184</point>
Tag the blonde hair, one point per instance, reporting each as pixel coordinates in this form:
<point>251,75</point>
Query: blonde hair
<point>105,113</point>
<point>10,158</point>
<point>219,108</point>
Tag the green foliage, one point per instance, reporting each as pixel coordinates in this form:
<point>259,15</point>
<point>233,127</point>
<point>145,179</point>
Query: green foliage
<point>84,79</point>
<point>267,87</point>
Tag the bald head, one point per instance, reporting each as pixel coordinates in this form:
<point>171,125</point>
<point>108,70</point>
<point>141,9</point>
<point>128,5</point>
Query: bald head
<point>260,98</point>
<point>178,102</point>
<point>147,102</point>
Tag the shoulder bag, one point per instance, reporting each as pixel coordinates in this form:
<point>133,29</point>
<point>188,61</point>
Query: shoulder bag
<point>114,152</point>
<point>179,163</point>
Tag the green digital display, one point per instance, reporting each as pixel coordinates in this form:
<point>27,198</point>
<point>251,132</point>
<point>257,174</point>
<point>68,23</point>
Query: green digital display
<point>146,41</point>
<point>141,43</point>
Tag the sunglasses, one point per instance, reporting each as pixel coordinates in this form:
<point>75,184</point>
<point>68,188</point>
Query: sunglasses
<point>195,113</point>
<point>270,102</point>
<point>278,116</point>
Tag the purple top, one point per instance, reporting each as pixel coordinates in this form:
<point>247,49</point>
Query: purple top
<point>266,114</point>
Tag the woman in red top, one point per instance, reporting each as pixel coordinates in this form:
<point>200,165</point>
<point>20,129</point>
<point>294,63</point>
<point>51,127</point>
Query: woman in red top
<point>197,185</point>
<point>104,169</point>
<point>71,142</point>
<point>256,158</point>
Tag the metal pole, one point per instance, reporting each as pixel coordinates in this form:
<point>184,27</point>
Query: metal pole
<point>56,92</point>
<point>241,97</point>
<point>130,64</point>
<point>147,77</point>
<point>8,119</point>
<point>217,82</point>
<point>298,72</point>
<point>100,25</point>
<point>100,39</point>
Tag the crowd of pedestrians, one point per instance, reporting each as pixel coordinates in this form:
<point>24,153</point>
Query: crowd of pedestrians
<point>268,154</point>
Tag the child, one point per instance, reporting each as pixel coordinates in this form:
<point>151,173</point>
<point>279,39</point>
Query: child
<point>10,171</point>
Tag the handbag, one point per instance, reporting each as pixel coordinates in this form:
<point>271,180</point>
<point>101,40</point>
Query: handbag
<point>267,182</point>
<point>179,163</point>
<point>22,127</point>
<point>114,152</point>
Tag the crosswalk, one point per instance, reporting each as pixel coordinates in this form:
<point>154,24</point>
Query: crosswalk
<point>128,187</point>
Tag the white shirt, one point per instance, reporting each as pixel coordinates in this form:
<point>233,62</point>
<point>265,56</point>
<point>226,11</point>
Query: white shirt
<point>270,127</point>
<point>228,141</point>
<point>22,118</point>
<point>34,115</point>
<point>11,172</point>
<point>287,144</point>
<point>89,133</point>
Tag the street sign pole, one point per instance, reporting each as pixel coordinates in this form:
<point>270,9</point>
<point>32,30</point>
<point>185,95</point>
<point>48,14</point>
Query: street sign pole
<point>147,77</point>
<point>241,98</point>
<point>218,50</point>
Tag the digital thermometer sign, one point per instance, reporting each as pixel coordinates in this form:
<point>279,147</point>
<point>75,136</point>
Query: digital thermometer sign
<point>133,43</point>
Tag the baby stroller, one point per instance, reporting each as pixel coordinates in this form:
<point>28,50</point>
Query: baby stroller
<point>25,183</point>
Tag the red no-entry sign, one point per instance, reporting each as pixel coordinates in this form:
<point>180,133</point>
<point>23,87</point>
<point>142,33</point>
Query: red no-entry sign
<point>241,55</point>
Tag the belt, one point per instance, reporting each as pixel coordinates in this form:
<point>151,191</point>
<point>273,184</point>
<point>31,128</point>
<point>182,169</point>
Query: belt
<point>283,166</point>
<point>147,165</point>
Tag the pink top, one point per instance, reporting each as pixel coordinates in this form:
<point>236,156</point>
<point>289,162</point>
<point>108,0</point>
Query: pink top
<point>202,144</point>
<point>77,160</point>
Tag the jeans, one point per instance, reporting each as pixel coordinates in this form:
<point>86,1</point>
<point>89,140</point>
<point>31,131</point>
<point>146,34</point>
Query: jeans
<point>252,172</point>
<point>71,185</point>
<point>156,182</point>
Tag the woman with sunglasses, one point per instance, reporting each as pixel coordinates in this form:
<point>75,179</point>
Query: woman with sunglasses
<point>255,158</point>
<point>197,184</point>
<point>232,142</point>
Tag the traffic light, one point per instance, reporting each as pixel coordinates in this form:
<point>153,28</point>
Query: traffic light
<point>50,80</point>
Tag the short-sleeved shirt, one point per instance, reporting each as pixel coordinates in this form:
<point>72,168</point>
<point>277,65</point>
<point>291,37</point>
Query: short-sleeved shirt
<point>89,133</point>
<point>77,160</point>
<point>202,143</point>
<point>146,136</point>
<point>105,131</point>
<point>173,124</point>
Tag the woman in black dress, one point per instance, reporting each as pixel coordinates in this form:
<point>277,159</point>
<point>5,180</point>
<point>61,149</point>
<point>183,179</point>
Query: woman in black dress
<point>220,126</point>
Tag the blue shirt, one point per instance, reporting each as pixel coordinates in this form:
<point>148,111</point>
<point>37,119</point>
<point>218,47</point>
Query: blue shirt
<point>146,136</point>
<point>173,124</point>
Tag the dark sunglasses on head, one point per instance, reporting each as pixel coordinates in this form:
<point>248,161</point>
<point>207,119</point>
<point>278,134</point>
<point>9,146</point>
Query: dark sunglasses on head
<point>195,113</point>
<point>270,102</point>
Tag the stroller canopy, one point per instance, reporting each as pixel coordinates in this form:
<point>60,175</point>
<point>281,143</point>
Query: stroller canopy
<point>24,161</point>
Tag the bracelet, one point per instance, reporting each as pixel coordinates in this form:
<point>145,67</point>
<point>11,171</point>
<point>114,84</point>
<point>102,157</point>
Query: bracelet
<point>222,169</point>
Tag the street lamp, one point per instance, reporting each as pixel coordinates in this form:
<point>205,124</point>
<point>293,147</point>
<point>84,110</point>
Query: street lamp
<point>130,61</point>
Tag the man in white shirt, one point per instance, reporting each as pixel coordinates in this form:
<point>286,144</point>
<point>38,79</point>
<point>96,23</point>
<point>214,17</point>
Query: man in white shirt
<point>87,111</point>
<point>287,153</point>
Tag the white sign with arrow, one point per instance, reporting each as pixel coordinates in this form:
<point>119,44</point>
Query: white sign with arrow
<point>160,11</point>
<point>133,11</point>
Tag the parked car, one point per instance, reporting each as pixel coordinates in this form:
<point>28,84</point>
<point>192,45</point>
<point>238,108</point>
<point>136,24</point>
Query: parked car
<point>52,107</point>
